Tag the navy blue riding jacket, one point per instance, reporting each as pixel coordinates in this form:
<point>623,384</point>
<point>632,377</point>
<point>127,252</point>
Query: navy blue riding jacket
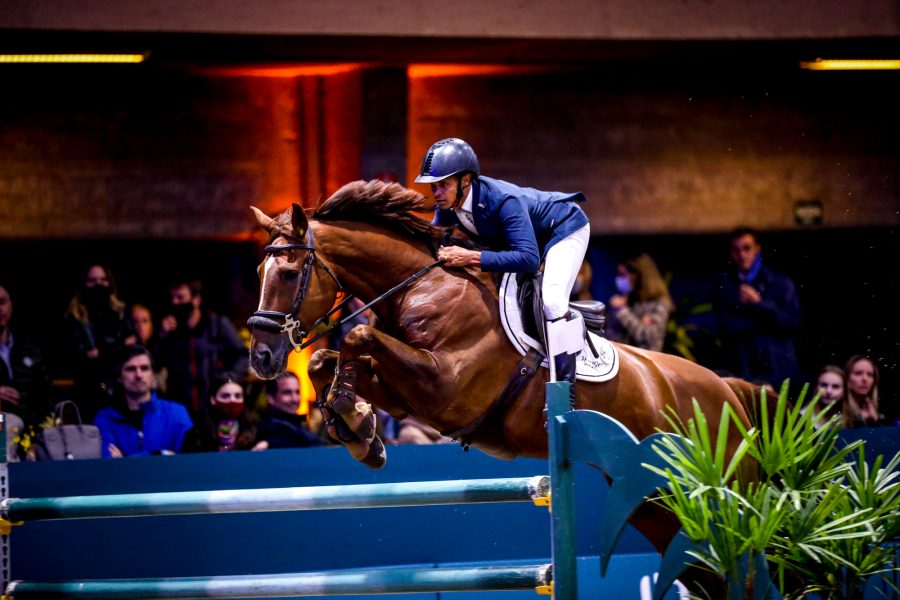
<point>518,224</point>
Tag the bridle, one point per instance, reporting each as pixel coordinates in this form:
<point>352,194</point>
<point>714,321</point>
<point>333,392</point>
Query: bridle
<point>294,328</point>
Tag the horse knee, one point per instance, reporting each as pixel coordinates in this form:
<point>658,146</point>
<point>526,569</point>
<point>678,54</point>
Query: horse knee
<point>359,338</point>
<point>322,361</point>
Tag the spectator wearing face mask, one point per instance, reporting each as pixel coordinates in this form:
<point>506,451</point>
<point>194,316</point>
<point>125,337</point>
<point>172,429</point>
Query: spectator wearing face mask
<point>98,330</point>
<point>639,311</point>
<point>226,424</point>
<point>195,344</point>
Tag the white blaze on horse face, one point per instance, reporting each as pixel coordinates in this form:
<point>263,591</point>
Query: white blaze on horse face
<point>270,260</point>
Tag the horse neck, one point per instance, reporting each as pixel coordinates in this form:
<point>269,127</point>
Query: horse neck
<point>368,259</point>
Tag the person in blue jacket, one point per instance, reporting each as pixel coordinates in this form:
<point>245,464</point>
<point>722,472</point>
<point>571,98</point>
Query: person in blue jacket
<point>758,313</point>
<point>520,227</point>
<point>139,422</point>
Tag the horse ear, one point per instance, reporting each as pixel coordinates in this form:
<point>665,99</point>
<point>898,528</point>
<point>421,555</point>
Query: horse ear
<point>298,219</point>
<point>264,220</point>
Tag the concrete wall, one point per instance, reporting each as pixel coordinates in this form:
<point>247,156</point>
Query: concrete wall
<point>118,153</point>
<point>679,154</point>
<point>564,19</point>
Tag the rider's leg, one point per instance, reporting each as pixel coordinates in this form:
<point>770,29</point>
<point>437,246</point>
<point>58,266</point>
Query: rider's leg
<point>565,333</point>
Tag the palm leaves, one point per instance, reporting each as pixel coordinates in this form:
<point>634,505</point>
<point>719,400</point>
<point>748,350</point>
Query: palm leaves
<point>819,517</point>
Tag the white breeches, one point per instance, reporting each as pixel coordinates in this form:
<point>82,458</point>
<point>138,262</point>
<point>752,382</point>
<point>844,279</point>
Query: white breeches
<point>560,270</point>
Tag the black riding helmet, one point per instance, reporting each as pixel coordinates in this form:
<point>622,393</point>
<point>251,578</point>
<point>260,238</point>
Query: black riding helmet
<point>450,156</point>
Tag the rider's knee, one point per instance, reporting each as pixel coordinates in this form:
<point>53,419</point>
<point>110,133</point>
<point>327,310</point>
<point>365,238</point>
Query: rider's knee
<point>554,308</point>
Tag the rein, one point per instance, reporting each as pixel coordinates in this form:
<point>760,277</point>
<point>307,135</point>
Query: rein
<point>266,319</point>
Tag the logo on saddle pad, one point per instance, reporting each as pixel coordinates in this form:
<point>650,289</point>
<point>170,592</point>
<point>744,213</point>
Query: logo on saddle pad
<point>600,366</point>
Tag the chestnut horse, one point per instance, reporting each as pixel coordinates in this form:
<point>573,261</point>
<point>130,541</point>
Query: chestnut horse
<point>439,351</point>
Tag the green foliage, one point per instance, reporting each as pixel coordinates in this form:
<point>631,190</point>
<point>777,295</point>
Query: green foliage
<point>818,512</point>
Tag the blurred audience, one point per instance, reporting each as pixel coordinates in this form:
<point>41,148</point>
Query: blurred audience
<point>411,430</point>
<point>142,321</point>
<point>639,312</point>
<point>280,425</point>
<point>24,382</point>
<point>758,313</point>
<point>227,423</point>
<point>138,422</point>
<point>581,289</point>
<point>195,344</point>
<point>862,393</point>
<point>831,385</point>
<point>98,330</point>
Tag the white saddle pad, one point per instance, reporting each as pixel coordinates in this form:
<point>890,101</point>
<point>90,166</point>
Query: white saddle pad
<point>601,367</point>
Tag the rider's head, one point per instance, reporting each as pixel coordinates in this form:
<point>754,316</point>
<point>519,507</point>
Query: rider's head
<point>449,166</point>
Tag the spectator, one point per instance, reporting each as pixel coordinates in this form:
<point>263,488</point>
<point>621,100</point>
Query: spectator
<point>862,393</point>
<point>24,382</point>
<point>411,430</point>
<point>758,313</point>
<point>138,422</point>
<point>196,344</point>
<point>640,310</point>
<point>98,331</point>
<point>281,426</point>
<point>142,321</point>
<point>831,385</point>
<point>581,289</point>
<point>226,424</point>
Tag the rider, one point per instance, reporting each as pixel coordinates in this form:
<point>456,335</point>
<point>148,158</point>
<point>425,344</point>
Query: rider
<point>520,227</point>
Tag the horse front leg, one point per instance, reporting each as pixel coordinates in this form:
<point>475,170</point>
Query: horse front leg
<point>354,428</point>
<point>355,377</point>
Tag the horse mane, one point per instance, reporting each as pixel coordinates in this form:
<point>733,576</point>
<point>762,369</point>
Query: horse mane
<point>389,204</point>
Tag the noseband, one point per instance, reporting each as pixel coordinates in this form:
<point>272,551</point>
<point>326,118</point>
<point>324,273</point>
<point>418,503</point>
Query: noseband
<point>269,319</point>
<point>294,328</point>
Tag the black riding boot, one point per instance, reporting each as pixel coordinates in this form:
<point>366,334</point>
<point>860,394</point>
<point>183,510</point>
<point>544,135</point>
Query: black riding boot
<point>565,371</point>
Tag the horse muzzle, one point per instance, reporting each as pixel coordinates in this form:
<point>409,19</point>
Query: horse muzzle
<point>264,324</point>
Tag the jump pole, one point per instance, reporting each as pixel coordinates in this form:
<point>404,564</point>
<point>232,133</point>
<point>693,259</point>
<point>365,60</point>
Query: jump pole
<point>560,578</point>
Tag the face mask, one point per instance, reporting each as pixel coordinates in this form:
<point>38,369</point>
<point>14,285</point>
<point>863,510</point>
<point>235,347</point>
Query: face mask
<point>232,410</point>
<point>96,297</point>
<point>182,312</point>
<point>623,284</point>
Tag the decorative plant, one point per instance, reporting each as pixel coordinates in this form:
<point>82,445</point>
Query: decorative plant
<point>819,519</point>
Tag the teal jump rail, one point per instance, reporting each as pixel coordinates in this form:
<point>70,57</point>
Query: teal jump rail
<point>381,495</point>
<point>328,583</point>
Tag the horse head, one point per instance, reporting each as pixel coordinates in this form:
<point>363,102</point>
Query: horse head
<point>294,296</point>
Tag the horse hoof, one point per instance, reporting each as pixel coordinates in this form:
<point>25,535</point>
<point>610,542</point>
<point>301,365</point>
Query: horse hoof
<point>344,403</point>
<point>376,457</point>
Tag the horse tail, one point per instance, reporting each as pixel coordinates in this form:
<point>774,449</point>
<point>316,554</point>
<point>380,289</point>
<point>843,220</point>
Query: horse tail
<point>750,396</point>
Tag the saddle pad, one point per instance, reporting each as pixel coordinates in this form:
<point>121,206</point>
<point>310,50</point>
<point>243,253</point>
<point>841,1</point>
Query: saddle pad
<point>590,367</point>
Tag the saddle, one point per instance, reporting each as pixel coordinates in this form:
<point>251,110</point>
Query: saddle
<point>531,307</point>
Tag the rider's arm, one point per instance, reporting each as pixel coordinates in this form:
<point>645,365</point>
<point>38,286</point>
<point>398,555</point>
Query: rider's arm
<point>521,254</point>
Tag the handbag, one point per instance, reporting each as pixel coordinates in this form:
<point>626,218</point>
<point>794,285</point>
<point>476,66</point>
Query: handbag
<point>68,442</point>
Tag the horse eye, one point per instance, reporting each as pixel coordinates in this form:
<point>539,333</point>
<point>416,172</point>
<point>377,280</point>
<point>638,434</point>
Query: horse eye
<point>290,276</point>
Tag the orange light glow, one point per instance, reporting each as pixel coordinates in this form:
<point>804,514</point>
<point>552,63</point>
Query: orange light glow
<point>284,71</point>
<point>462,70</point>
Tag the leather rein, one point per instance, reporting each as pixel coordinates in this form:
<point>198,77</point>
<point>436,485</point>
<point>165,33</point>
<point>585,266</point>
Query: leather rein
<point>294,328</point>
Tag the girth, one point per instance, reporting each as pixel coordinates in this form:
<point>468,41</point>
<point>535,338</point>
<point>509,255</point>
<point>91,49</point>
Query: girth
<point>522,374</point>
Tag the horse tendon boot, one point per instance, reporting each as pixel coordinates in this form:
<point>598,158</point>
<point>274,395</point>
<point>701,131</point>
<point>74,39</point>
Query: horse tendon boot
<point>358,414</point>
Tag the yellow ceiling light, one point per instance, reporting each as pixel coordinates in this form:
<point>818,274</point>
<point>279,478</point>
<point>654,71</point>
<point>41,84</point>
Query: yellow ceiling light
<point>822,64</point>
<point>73,58</point>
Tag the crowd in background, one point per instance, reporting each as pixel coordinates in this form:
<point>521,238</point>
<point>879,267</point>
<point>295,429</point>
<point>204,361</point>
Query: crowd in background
<point>179,381</point>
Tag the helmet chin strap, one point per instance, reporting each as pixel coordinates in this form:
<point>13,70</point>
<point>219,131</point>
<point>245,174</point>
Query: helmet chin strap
<point>460,195</point>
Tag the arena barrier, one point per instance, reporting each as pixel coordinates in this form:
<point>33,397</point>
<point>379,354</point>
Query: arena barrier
<point>572,436</point>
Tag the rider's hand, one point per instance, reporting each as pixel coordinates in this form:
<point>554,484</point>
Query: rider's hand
<point>455,256</point>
